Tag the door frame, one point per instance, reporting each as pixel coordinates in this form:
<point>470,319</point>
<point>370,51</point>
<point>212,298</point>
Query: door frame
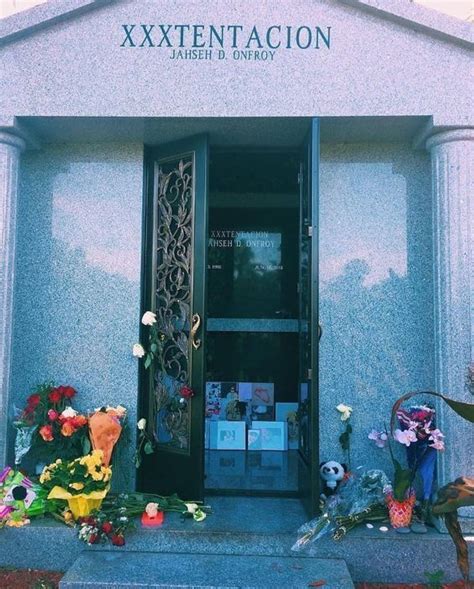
<point>143,405</point>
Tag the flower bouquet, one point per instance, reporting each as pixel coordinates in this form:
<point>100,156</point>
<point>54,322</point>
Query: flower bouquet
<point>359,498</point>
<point>118,512</point>
<point>105,427</point>
<point>83,483</point>
<point>49,427</point>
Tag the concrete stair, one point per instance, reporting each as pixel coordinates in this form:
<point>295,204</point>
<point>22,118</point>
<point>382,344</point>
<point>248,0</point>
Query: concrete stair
<point>112,570</point>
<point>239,527</point>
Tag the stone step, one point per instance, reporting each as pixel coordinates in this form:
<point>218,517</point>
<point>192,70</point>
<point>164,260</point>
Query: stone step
<point>121,570</point>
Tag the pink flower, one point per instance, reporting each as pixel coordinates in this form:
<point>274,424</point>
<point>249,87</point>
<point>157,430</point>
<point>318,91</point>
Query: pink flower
<point>437,439</point>
<point>52,415</point>
<point>380,438</point>
<point>405,437</point>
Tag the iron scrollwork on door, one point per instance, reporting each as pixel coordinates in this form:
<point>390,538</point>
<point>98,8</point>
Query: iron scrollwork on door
<point>173,300</point>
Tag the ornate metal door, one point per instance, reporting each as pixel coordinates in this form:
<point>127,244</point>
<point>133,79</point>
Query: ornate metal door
<point>175,278</point>
<point>309,331</point>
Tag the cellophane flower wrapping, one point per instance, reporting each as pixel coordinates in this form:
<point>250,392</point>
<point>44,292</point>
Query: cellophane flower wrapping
<point>359,492</point>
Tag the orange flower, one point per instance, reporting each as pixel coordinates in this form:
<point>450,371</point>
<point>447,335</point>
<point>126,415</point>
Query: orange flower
<point>67,429</point>
<point>79,421</point>
<point>46,432</point>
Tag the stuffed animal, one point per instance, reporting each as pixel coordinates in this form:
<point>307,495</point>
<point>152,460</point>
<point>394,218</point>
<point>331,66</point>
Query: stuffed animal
<point>331,473</point>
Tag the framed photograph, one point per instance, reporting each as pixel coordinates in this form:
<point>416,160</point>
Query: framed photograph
<point>262,412</point>
<point>263,393</point>
<point>273,435</point>
<point>228,435</point>
<point>245,391</point>
<point>254,441</point>
<point>213,400</point>
<point>289,412</point>
<point>229,398</point>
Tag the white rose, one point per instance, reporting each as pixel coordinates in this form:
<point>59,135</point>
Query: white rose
<point>138,351</point>
<point>345,411</point>
<point>152,509</point>
<point>69,412</point>
<point>192,507</point>
<point>141,424</point>
<point>199,515</point>
<point>149,318</point>
<point>120,410</point>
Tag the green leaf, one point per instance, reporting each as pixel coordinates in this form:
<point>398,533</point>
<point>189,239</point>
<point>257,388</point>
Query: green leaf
<point>148,448</point>
<point>403,480</point>
<point>86,445</point>
<point>148,361</point>
<point>153,347</point>
<point>349,428</point>
<point>344,441</point>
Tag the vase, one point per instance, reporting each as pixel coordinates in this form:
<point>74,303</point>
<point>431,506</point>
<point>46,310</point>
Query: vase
<point>81,505</point>
<point>400,512</point>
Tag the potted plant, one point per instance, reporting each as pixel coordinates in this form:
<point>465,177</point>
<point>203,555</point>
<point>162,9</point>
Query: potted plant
<point>83,482</point>
<point>417,432</point>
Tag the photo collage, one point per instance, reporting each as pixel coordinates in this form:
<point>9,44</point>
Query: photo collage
<point>244,416</point>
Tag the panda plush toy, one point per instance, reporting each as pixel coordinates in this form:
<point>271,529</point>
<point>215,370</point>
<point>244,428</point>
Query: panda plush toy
<point>331,473</point>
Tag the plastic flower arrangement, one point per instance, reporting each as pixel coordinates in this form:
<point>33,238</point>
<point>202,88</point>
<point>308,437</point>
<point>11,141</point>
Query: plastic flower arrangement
<point>49,427</point>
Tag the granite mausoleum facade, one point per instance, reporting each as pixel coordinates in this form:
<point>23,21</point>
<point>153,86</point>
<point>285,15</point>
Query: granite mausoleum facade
<point>87,86</point>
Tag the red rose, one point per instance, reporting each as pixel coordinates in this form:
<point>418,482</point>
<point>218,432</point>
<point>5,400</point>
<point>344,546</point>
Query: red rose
<point>68,392</point>
<point>186,392</point>
<point>118,540</point>
<point>55,396</point>
<point>52,415</point>
<point>93,538</point>
<point>34,400</point>
<point>107,527</point>
<point>46,432</point>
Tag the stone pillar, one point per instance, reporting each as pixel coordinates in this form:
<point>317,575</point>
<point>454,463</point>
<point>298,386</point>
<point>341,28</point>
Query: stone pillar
<point>452,161</point>
<point>11,147</point>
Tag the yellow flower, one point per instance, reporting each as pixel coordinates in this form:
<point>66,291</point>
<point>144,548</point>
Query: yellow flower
<point>68,517</point>
<point>77,486</point>
<point>97,476</point>
<point>107,473</point>
<point>45,476</point>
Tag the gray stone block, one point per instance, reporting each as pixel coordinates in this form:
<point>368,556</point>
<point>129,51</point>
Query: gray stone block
<point>111,570</point>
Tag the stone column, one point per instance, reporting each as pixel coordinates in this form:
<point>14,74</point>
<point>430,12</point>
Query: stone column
<point>11,147</point>
<point>452,160</point>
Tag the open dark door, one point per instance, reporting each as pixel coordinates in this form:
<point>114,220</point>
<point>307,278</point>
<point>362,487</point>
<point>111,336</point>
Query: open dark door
<point>308,321</point>
<point>175,225</point>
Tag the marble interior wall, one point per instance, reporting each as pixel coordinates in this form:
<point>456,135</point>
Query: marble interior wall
<point>376,288</point>
<point>77,290</point>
